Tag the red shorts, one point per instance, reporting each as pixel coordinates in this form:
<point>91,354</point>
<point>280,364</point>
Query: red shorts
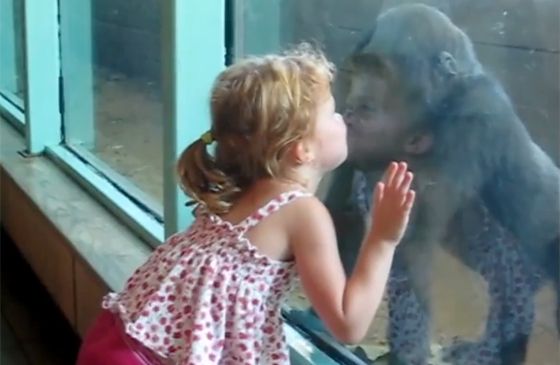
<point>106,343</point>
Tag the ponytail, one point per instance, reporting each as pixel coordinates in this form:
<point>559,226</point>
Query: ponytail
<point>202,180</point>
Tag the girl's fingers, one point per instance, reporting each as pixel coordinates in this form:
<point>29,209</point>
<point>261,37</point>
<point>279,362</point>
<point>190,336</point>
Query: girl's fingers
<point>405,187</point>
<point>409,200</point>
<point>407,181</point>
<point>399,175</point>
<point>390,173</point>
<point>397,184</point>
<point>378,195</point>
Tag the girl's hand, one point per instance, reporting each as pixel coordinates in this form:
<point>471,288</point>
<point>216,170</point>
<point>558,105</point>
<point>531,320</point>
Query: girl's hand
<point>347,305</point>
<point>392,202</point>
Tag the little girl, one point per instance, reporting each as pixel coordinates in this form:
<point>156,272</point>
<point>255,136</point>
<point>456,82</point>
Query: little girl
<point>213,293</point>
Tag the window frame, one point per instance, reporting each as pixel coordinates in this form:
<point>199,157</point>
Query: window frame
<point>13,113</point>
<point>43,125</point>
<point>11,106</point>
<point>193,53</point>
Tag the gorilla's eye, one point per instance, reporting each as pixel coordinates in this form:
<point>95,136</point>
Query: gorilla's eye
<point>367,109</point>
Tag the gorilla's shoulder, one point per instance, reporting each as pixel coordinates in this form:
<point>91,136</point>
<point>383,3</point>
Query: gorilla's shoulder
<point>477,97</point>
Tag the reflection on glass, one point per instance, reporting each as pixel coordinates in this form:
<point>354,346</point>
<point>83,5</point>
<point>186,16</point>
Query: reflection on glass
<point>12,71</point>
<point>467,94</point>
<point>112,98</point>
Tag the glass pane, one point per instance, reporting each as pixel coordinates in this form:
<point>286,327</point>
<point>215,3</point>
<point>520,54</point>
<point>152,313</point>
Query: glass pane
<point>12,69</point>
<point>111,67</point>
<point>468,95</point>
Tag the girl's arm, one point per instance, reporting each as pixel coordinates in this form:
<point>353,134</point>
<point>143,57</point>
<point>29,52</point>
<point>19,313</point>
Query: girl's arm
<point>348,305</point>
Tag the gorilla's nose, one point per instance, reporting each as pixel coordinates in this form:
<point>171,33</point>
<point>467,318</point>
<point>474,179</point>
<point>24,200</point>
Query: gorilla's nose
<point>348,116</point>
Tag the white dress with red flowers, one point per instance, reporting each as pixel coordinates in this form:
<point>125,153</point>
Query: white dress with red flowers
<point>207,296</point>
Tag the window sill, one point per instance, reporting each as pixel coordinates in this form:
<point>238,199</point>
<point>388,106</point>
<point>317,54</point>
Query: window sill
<point>110,249</point>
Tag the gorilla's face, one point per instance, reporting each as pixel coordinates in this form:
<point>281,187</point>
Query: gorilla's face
<point>377,122</point>
<point>398,78</point>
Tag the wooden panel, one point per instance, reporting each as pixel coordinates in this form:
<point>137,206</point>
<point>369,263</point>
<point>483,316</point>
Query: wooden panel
<point>40,243</point>
<point>89,292</point>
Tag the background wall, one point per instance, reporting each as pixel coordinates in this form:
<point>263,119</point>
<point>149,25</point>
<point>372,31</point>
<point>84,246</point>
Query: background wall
<point>516,40</point>
<point>127,34</point>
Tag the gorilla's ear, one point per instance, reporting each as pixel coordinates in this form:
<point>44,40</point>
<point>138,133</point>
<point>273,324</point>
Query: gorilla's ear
<point>419,143</point>
<point>446,64</point>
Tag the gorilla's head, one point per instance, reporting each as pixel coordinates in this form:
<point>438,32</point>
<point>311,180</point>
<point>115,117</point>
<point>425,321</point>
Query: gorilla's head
<point>399,77</point>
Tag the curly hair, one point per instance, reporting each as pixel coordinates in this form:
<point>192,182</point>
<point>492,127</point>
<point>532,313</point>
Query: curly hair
<point>259,107</point>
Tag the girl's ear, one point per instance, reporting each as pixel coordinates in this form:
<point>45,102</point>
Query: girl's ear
<point>301,152</point>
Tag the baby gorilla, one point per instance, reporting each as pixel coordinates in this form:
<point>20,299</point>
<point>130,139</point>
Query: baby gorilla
<point>486,191</point>
<point>419,93</point>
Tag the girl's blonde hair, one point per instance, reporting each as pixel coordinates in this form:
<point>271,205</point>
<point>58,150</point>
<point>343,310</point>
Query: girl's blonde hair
<point>259,107</point>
